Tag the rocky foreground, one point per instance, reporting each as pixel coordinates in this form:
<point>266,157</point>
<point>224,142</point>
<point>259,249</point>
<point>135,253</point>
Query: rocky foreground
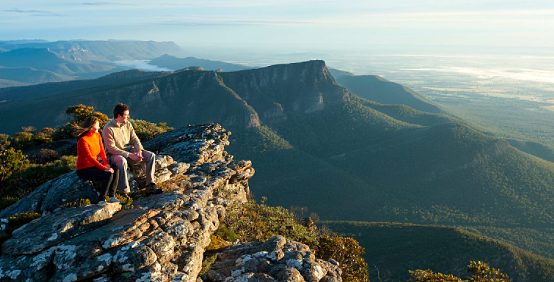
<point>159,238</point>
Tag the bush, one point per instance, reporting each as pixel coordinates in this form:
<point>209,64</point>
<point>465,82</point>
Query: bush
<point>21,219</point>
<point>11,161</point>
<point>347,252</point>
<point>4,141</point>
<point>481,273</point>
<point>26,181</point>
<point>147,130</point>
<point>43,136</point>
<point>258,222</point>
<point>22,140</point>
<point>8,201</point>
<point>44,156</point>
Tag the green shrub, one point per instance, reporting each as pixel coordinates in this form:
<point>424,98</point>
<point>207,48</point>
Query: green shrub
<point>11,161</point>
<point>22,140</point>
<point>21,219</point>
<point>206,263</point>
<point>23,182</point>
<point>347,252</point>
<point>226,233</point>
<point>43,136</point>
<point>147,130</point>
<point>481,273</point>
<point>7,201</point>
<point>83,202</point>
<point>258,222</point>
<point>126,202</point>
<point>4,141</point>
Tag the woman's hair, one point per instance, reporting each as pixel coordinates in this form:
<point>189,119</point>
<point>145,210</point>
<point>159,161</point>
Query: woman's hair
<point>80,130</point>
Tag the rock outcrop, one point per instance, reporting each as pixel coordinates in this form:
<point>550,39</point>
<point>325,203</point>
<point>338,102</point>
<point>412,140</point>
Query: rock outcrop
<point>160,237</point>
<point>277,259</point>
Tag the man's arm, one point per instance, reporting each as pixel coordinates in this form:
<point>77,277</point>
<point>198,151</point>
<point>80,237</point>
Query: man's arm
<point>109,142</point>
<point>134,139</point>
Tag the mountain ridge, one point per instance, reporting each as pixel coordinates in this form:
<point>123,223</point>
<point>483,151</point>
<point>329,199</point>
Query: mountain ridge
<point>344,157</point>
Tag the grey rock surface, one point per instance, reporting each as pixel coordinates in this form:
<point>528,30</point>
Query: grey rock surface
<point>277,259</point>
<point>53,194</point>
<point>159,237</point>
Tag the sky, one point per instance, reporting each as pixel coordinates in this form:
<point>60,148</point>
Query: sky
<point>291,25</point>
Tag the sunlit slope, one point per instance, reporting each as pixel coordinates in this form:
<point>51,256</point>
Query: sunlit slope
<point>394,248</point>
<point>378,89</point>
<point>536,149</point>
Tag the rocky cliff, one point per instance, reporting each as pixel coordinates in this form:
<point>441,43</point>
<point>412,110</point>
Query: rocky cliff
<point>157,238</point>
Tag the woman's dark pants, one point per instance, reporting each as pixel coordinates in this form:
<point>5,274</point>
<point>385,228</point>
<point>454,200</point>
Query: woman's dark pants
<point>109,180</point>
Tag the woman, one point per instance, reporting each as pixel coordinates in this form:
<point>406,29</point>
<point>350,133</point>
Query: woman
<point>89,146</point>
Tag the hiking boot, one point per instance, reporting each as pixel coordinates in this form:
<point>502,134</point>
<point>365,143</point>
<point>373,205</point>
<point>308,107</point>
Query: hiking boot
<point>152,189</point>
<point>113,199</point>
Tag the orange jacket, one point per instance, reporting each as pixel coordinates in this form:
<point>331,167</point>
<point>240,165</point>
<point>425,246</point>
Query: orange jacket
<point>88,148</point>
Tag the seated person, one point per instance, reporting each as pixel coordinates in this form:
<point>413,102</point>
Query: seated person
<point>89,146</point>
<point>124,148</point>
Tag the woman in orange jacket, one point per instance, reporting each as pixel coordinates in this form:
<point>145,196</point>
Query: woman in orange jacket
<point>89,146</point>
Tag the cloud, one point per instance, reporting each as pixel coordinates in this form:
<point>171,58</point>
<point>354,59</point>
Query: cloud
<point>195,20</point>
<point>98,3</point>
<point>33,12</point>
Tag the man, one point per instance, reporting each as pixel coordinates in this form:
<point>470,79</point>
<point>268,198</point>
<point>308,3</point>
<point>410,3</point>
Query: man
<point>124,148</point>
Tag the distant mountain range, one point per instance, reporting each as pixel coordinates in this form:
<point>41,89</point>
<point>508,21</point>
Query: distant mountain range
<point>108,51</point>
<point>316,144</point>
<point>34,62</point>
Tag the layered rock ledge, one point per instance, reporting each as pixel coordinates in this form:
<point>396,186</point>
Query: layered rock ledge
<point>160,237</point>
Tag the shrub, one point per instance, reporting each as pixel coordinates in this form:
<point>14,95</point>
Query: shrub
<point>217,242</point>
<point>83,202</point>
<point>347,252</point>
<point>481,273</point>
<point>44,156</point>
<point>21,219</point>
<point>126,202</point>
<point>7,201</point>
<point>22,140</point>
<point>11,161</point>
<point>4,141</point>
<point>43,136</point>
<point>25,181</point>
<point>147,130</point>
<point>258,222</point>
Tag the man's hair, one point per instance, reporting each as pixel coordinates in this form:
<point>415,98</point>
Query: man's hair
<point>120,109</point>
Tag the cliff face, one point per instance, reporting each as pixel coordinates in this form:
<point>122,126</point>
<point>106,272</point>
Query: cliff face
<point>160,237</point>
<point>279,90</point>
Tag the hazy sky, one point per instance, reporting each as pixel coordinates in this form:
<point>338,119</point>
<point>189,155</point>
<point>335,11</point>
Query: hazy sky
<point>292,25</point>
